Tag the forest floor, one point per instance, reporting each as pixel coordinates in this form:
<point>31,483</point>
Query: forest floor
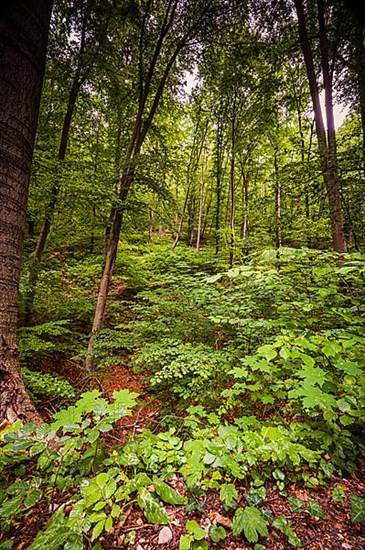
<point>334,532</point>
<point>182,321</point>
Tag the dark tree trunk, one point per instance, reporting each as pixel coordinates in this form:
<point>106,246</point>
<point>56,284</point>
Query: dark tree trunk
<point>326,143</point>
<point>360,74</point>
<point>23,43</point>
<point>219,173</point>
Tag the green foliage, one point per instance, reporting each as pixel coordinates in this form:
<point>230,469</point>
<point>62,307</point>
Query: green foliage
<point>217,533</point>
<point>44,339</point>
<point>315,509</point>
<point>283,525</point>
<point>41,386</point>
<point>357,508</point>
<point>183,368</point>
<point>250,521</point>
<point>338,494</point>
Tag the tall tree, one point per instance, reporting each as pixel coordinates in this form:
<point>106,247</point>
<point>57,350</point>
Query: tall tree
<point>326,140</point>
<point>23,43</point>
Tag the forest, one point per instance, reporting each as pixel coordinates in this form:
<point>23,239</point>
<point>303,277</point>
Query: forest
<point>182,274</point>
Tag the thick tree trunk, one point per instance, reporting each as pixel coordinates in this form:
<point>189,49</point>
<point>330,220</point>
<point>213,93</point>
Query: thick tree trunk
<point>23,44</point>
<point>326,143</point>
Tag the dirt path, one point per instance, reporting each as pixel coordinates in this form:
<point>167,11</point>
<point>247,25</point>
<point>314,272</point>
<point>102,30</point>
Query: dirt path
<point>123,377</point>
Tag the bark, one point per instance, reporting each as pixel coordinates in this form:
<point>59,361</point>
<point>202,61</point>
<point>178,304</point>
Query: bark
<point>232,193</point>
<point>23,43</point>
<point>191,169</point>
<point>326,142</point>
<point>245,224</point>
<point>220,148</point>
<point>360,75</point>
<point>277,202</point>
<point>201,203</point>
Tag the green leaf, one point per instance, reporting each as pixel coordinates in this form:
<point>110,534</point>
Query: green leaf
<point>284,353</point>
<point>99,505</point>
<point>37,448</point>
<point>313,375</point>
<point>151,508</point>
<point>116,511</point>
<point>315,509</point>
<point>331,349</point>
<point>214,278</point>
<point>268,351</point>
<point>251,522</point>
<point>95,517</point>
<point>228,494</point>
<point>201,545</point>
<point>108,524</point>
<point>98,528</point>
<point>185,542</point>
<point>194,529</point>
<point>167,493</point>
<point>217,533</point>
<point>357,508</point>
<point>296,504</point>
<point>125,399</point>
<point>338,494</point>
<point>32,498</point>
<point>256,497</point>
<point>282,524</point>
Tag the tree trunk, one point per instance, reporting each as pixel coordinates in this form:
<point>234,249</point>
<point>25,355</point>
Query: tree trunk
<point>201,203</point>
<point>277,202</point>
<point>220,148</point>
<point>360,75</point>
<point>23,43</point>
<point>326,143</point>
<point>245,224</point>
<point>232,193</point>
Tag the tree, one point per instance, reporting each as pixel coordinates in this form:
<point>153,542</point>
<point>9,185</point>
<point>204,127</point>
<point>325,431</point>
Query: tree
<point>171,26</point>
<point>23,44</point>
<point>326,140</point>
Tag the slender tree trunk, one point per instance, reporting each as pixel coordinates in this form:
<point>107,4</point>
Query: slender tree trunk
<point>150,229</point>
<point>23,42</point>
<point>245,223</point>
<point>277,203</point>
<point>360,74</point>
<point>189,177</point>
<point>219,160</point>
<point>326,143</point>
<point>232,193</point>
<point>201,203</point>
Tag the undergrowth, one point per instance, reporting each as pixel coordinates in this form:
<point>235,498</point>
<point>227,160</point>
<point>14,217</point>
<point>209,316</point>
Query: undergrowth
<point>263,367</point>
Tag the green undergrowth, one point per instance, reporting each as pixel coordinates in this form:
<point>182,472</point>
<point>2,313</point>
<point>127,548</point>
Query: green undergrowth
<point>261,372</point>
